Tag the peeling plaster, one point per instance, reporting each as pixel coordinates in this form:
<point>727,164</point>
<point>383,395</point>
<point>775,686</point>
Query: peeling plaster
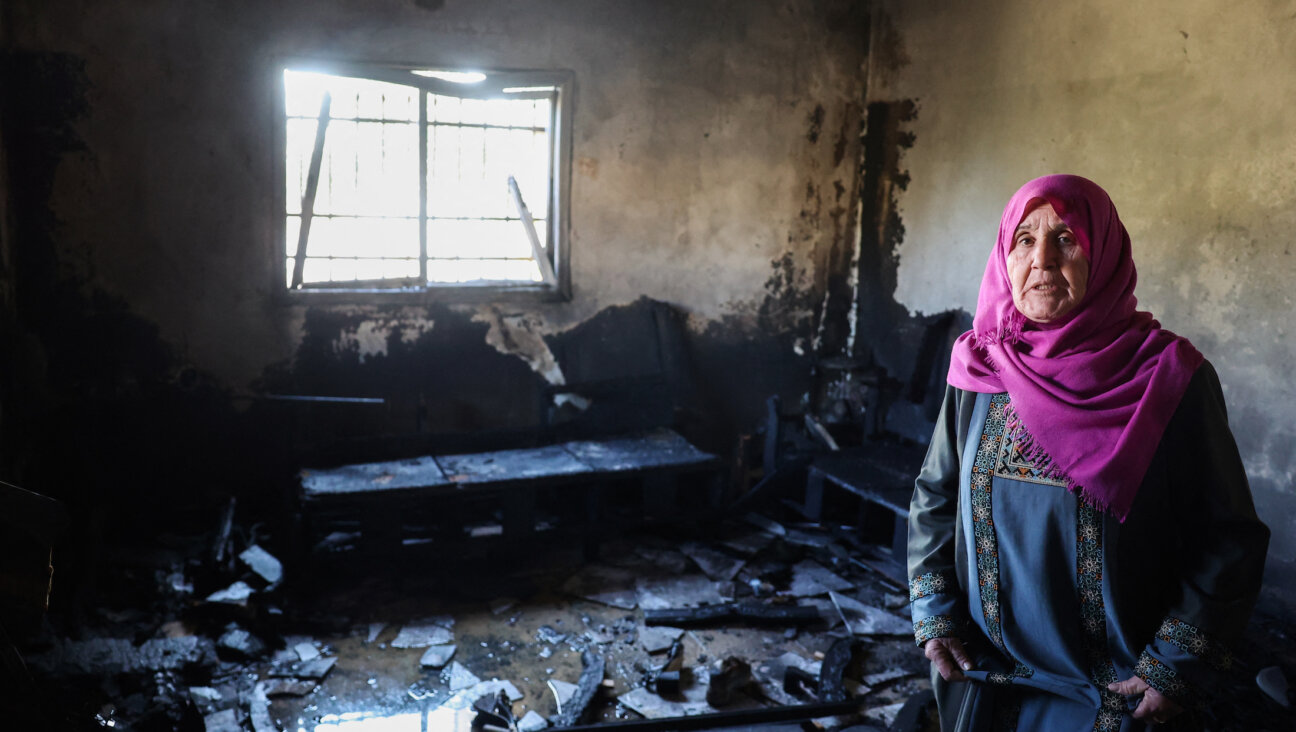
<point>371,337</point>
<point>521,335</point>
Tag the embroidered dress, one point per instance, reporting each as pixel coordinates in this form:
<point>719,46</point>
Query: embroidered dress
<point>1054,598</point>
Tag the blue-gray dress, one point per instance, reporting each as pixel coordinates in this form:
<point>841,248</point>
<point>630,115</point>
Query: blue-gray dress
<point>1056,599</point>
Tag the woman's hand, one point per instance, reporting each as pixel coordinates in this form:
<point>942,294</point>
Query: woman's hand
<point>1155,707</point>
<point>950,658</point>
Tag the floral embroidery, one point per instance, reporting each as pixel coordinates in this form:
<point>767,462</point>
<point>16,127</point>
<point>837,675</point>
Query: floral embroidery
<point>1022,671</point>
<point>1191,639</point>
<point>932,583</point>
<point>1093,614</point>
<point>937,626</point>
<point>987,549</point>
<point>1161,677</point>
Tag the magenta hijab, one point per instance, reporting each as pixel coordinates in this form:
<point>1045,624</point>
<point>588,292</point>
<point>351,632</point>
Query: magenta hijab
<point>1094,389</point>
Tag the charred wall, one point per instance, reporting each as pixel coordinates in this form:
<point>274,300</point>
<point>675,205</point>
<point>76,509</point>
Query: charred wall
<point>714,196</point>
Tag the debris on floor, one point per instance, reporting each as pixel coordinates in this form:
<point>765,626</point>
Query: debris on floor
<point>760,618</point>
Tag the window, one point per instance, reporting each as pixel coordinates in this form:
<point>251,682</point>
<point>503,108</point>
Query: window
<point>411,180</point>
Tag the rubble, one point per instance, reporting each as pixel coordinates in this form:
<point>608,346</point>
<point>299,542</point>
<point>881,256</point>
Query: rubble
<point>650,705</point>
<point>591,678</point>
<point>863,619</point>
<point>306,651</point>
<point>716,565</point>
<point>671,592</point>
<point>751,612</point>
<point>236,594</point>
<point>437,656</point>
<point>658,638</point>
<point>809,578</point>
<point>728,682</point>
<point>422,636</point>
<point>288,687</point>
<point>315,669</point>
<point>457,677</point>
<point>532,722</point>
<point>222,721</point>
<point>107,656</point>
<point>263,563</point>
<point>240,644</point>
<point>563,692</point>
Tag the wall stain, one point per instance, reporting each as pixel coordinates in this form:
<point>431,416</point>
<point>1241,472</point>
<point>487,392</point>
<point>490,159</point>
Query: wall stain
<point>816,120</point>
<point>886,331</point>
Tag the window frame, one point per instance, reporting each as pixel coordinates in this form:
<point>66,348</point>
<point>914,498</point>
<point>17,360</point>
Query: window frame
<point>557,217</point>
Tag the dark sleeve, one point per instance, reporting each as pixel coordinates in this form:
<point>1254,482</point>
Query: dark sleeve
<point>934,593</point>
<point>1222,555</point>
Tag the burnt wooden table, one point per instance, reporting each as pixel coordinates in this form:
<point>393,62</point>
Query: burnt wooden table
<point>881,475</point>
<point>377,497</point>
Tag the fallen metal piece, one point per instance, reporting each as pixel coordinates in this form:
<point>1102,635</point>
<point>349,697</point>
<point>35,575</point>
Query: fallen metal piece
<point>753,612</point>
<point>493,710</point>
<point>590,679</point>
<point>730,718</point>
<point>673,683</point>
<point>688,615</point>
<point>835,661</point>
<point>799,682</point>
<point>671,677</point>
<point>220,544</point>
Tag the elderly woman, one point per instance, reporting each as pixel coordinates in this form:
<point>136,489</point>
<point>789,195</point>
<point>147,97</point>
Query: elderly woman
<point>1082,540</point>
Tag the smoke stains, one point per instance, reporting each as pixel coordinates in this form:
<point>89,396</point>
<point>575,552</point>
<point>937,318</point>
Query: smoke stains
<point>816,120</point>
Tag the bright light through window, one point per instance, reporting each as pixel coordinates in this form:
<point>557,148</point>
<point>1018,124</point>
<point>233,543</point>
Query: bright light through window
<point>407,185</point>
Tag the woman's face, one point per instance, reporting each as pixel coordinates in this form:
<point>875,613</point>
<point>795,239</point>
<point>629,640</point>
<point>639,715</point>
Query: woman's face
<point>1046,266</point>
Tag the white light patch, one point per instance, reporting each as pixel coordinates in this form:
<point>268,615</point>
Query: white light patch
<point>456,77</point>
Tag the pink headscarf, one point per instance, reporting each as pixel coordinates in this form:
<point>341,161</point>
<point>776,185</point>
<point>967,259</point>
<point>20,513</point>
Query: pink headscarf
<point>1096,388</point>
